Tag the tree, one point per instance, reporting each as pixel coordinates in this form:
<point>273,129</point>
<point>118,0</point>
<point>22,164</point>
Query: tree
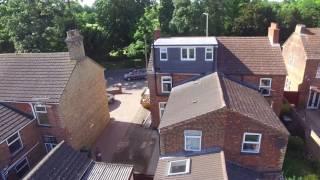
<point>165,15</point>
<point>6,45</point>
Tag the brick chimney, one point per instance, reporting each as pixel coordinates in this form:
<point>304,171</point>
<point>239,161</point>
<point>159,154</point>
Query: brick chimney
<point>273,33</point>
<point>300,28</point>
<point>156,34</point>
<point>74,42</point>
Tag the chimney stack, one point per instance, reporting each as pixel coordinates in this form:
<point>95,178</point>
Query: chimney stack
<point>74,42</point>
<point>300,28</point>
<point>156,34</point>
<point>273,33</point>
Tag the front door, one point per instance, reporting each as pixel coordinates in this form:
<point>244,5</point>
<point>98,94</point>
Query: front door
<point>314,100</point>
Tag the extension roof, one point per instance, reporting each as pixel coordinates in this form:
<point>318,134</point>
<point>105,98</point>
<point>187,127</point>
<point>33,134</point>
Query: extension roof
<point>213,92</point>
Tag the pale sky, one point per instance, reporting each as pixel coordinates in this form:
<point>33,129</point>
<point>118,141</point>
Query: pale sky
<point>86,2</point>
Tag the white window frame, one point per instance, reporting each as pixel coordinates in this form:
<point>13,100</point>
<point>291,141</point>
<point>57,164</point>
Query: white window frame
<point>17,139</point>
<point>27,164</point>
<point>52,145</point>
<point>318,72</point>
<point>165,51</point>
<point>40,112</point>
<point>188,54</point>
<point>192,137</point>
<point>266,87</point>
<point>162,82</point>
<point>185,172</point>
<point>249,142</point>
<point>206,51</point>
<point>160,108</point>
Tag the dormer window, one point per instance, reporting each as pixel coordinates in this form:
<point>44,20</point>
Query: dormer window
<point>179,167</point>
<point>163,54</point>
<point>188,54</point>
<point>209,54</point>
<point>41,113</point>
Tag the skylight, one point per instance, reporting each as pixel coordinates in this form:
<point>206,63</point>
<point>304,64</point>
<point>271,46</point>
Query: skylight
<point>179,167</point>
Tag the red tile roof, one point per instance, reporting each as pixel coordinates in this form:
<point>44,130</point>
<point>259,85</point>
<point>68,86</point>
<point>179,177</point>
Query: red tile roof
<point>311,42</point>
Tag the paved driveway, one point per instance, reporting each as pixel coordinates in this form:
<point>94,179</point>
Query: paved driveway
<point>125,140</point>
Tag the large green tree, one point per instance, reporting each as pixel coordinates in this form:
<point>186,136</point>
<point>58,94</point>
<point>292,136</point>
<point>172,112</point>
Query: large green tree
<point>165,15</point>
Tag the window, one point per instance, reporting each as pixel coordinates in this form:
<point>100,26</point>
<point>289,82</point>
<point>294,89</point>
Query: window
<point>318,72</point>
<point>251,143</point>
<point>166,84</point>
<point>188,54</point>
<point>209,54</point>
<point>14,143</point>
<point>163,54</point>
<point>287,85</point>
<point>192,140</point>
<point>50,142</point>
<point>179,167</point>
<point>265,86</point>
<point>162,106</point>
<point>42,115</point>
<point>22,168</point>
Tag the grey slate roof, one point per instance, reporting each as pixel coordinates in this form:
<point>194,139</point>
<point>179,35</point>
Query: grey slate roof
<point>311,42</point>
<point>208,166</point>
<point>64,163</point>
<point>25,77</point>
<point>214,92</point>
<point>249,55</point>
<point>11,121</point>
<point>187,41</point>
<point>193,99</point>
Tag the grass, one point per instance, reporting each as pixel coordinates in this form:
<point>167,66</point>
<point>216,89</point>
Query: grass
<point>296,164</point>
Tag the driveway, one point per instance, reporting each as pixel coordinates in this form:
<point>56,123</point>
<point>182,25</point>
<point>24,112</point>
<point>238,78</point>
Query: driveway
<point>125,140</point>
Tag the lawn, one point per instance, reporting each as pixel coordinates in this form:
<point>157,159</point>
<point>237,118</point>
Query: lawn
<point>296,165</point>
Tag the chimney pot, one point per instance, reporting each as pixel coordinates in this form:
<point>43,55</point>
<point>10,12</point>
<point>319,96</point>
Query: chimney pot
<point>74,42</point>
<point>274,33</point>
<point>156,34</point>
<point>300,28</point>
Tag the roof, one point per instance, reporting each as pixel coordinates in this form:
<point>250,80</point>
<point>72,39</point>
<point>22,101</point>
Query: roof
<point>250,55</point>
<point>11,121</point>
<point>27,77</point>
<point>311,42</point>
<point>205,95</point>
<point>63,162</point>
<point>187,41</point>
<point>213,92</point>
<point>208,166</point>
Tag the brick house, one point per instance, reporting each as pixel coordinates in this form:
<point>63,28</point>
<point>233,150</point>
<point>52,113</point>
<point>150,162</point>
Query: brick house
<point>256,61</point>
<point>20,143</point>
<point>65,91</point>
<point>222,115</point>
<point>301,52</point>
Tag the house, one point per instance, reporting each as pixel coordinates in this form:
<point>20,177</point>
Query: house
<point>301,52</point>
<point>221,114</point>
<point>65,91</point>
<point>256,61</point>
<point>63,162</point>
<point>20,143</point>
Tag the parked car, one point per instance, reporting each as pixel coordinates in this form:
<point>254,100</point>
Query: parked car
<point>110,98</point>
<point>145,98</point>
<point>135,74</point>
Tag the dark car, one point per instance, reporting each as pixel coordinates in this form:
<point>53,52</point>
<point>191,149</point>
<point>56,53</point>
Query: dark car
<point>135,74</point>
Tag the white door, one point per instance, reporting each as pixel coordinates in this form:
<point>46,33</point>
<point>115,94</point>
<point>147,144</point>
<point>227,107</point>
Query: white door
<point>314,100</point>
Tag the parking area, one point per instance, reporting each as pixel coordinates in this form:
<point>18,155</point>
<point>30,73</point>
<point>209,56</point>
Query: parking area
<point>125,139</point>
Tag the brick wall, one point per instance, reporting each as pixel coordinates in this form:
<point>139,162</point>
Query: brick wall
<point>156,96</point>
<point>84,106</point>
<point>31,143</point>
<point>225,129</point>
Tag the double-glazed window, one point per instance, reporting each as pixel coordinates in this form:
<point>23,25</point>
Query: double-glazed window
<point>166,84</point>
<point>188,54</point>
<point>162,106</point>
<point>318,72</point>
<point>251,143</point>
<point>22,168</point>
<point>265,86</point>
<point>42,114</point>
<point>50,142</point>
<point>192,140</point>
<point>163,54</point>
<point>209,54</point>
<point>179,167</point>
<point>14,143</point>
